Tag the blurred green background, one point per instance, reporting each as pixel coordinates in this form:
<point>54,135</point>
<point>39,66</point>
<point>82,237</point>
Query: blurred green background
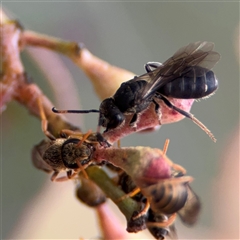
<point>128,35</point>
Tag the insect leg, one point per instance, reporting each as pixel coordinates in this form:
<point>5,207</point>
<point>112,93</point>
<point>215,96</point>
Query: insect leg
<point>157,110</point>
<point>70,175</point>
<point>71,133</point>
<point>150,66</point>
<point>134,120</point>
<point>131,194</point>
<point>102,141</point>
<point>144,211</point>
<point>177,168</point>
<point>188,115</point>
<point>163,224</point>
<point>81,169</point>
<point>85,136</point>
<point>53,177</point>
<point>44,121</point>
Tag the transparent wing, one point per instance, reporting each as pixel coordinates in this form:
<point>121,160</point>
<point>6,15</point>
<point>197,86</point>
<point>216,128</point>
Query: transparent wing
<point>189,213</point>
<point>194,54</point>
<point>172,232</point>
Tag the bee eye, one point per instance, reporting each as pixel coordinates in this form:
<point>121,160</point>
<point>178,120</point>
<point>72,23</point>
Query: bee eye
<point>116,120</point>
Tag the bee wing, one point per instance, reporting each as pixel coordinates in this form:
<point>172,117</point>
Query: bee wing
<point>172,232</point>
<point>189,213</point>
<point>194,54</point>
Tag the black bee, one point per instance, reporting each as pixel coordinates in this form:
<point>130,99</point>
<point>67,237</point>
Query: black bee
<point>186,75</point>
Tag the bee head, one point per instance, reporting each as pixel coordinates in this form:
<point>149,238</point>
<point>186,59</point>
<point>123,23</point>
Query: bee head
<point>110,116</point>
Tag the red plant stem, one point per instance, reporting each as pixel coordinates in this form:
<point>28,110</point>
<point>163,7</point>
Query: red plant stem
<point>109,224</point>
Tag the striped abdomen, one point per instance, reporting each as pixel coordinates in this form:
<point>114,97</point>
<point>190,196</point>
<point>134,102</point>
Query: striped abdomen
<point>198,82</point>
<point>167,197</point>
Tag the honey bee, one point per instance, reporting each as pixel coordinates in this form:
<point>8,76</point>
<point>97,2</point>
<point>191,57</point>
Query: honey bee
<point>166,198</point>
<point>169,198</point>
<point>161,224</point>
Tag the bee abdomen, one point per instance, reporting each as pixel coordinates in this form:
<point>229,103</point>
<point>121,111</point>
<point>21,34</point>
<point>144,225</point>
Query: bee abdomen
<point>196,83</point>
<point>168,198</point>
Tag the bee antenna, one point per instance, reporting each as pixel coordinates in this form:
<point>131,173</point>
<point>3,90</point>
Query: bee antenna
<point>75,111</point>
<point>165,147</point>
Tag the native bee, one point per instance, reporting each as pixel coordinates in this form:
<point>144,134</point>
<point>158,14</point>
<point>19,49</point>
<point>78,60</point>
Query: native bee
<point>70,154</point>
<point>186,75</point>
<point>72,151</point>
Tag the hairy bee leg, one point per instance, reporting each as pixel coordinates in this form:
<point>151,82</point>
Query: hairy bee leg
<point>143,212</point>
<point>163,224</point>
<point>44,121</point>
<point>188,115</point>
<point>131,194</point>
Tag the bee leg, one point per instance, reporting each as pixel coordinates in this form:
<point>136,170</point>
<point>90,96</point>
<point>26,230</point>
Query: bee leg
<point>44,121</point>
<point>102,141</point>
<point>151,66</point>
<point>178,170</point>
<point>131,194</point>
<point>119,143</point>
<point>84,137</point>
<point>188,115</point>
<point>163,224</point>
<point>133,122</point>
<point>70,133</point>
<point>53,177</point>
<point>61,179</point>
<point>81,169</point>
<point>143,212</point>
<point>106,130</point>
<point>158,112</point>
